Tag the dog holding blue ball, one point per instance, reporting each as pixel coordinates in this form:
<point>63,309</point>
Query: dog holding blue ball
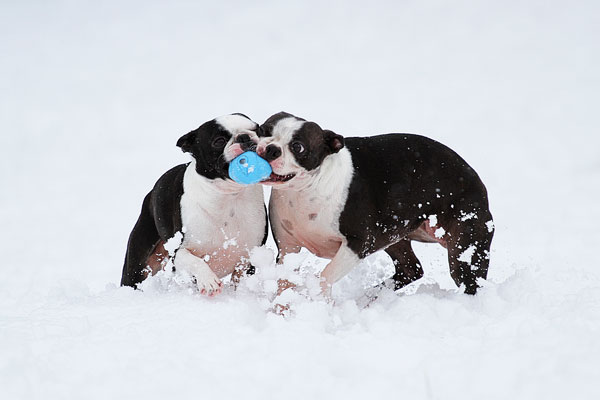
<point>213,220</point>
<point>344,198</point>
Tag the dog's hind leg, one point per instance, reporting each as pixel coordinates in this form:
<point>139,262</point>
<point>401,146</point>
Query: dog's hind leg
<point>407,265</point>
<point>143,240</point>
<point>469,240</point>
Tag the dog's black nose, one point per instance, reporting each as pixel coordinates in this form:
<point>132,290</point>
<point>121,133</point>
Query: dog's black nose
<point>272,152</point>
<point>243,138</point>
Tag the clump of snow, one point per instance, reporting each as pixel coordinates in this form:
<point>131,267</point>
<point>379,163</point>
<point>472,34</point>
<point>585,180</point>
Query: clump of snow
<point>467,216</point>
<point>433,220</point>
<point>467,254</point>
<point>173,244</point>
<point>439,232</point>
<point>262,256</point>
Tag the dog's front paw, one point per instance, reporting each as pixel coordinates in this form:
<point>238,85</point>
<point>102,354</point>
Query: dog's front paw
<point>209,284</point>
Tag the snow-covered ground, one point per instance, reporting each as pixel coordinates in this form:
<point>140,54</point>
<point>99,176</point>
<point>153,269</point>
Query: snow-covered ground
<point>94,96</point>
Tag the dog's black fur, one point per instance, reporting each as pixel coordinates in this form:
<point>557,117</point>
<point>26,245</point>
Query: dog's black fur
<point>403,177</point>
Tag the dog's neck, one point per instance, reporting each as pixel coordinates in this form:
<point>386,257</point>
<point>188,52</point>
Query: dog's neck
<point>210,187</point>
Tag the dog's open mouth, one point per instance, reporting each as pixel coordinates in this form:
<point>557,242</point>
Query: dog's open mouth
<point>274,178</point>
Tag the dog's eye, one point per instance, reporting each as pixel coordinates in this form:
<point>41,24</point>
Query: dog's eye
<point>297,147</point>
<point>219,142</point>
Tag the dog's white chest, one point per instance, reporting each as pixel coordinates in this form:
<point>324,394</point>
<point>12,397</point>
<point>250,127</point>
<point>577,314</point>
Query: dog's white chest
<point>221,222</point>
<point>311,216</point>
<point>311,221</point>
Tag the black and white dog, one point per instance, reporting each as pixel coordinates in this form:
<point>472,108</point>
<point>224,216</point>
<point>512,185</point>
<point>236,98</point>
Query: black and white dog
<point>344,199</point>
<point>214,220</point>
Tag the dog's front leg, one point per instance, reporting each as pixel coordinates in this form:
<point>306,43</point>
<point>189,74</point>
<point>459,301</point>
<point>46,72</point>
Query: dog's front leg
<point>342,263</point>
<point>286,244</point>
<point>208,283</point>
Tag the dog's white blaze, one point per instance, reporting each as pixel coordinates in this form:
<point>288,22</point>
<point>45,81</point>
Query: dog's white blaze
<point>282,134</point>
<point>218,212</point>
<point>285,128</point>
<point>235,123</point>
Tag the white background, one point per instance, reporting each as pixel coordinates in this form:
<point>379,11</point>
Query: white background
<point>94,96</point>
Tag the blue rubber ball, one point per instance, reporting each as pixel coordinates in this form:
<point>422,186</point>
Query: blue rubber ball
<point>249,168</point>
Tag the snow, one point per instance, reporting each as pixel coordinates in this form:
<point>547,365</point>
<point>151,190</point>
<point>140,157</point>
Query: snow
<point>467,254</point>
<point>467,216</point>
<point>432,220</point>
<point>95,96</point>
<point>173,244</point>
<point>229,242</point>
<point>439,232</point>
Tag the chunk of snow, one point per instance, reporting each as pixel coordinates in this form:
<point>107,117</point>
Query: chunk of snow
<point>433,220</point>
<point>173,244</point>
<point>468,216</point>
<point>467,254</point>
<point>270,286</point>
<point>262,257</point>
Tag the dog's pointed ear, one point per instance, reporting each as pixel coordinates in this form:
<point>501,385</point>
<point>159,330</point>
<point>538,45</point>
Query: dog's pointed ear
<point>333,141</point>
<point>186,142</point>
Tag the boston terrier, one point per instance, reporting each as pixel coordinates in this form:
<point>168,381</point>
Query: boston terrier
<point>346,198</point>
<point>214,220</point>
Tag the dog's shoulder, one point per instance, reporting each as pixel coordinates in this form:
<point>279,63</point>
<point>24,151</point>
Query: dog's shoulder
<point>170,183</point>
